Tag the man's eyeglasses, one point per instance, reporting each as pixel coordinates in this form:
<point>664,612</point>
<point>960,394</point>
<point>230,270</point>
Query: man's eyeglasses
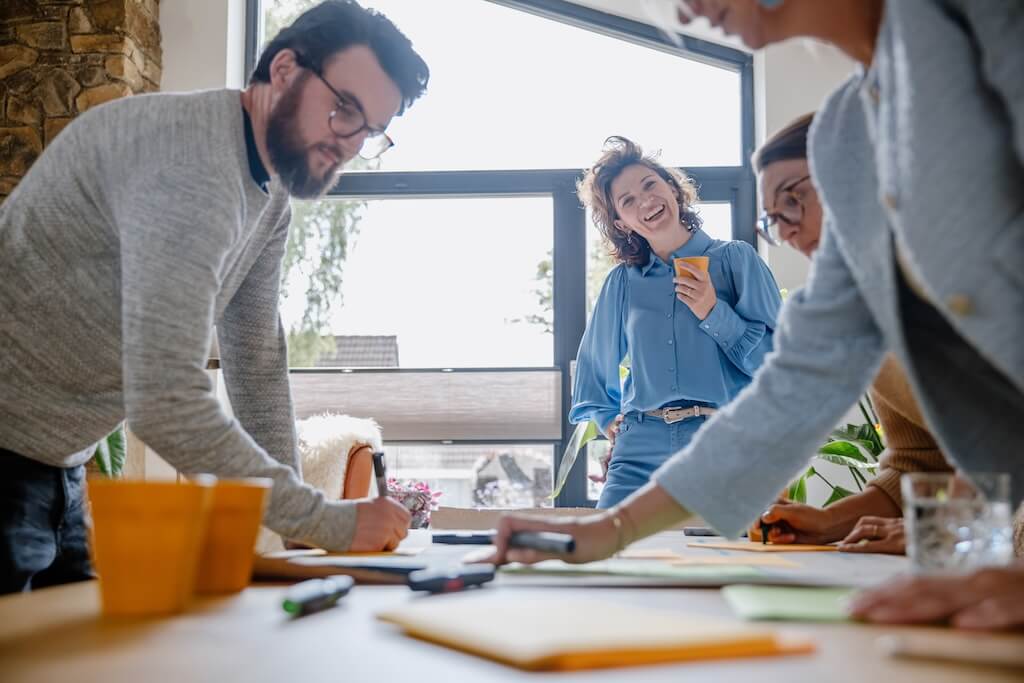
<point>789,210</point>
<point>348,119</point>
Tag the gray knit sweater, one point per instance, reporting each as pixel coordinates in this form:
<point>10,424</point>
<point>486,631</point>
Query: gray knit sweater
<point>135,232</point>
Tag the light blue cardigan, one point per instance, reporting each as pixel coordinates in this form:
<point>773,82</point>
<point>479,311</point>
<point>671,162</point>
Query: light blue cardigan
<point>926,148</point>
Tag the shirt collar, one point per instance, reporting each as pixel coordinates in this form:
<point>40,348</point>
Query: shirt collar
<point>697,245</point>
<point>256,168</point>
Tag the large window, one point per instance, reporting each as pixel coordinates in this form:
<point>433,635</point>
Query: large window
<point>444,290</point>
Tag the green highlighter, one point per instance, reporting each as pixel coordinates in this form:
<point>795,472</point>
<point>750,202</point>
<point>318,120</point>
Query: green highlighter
<point>316,594</point>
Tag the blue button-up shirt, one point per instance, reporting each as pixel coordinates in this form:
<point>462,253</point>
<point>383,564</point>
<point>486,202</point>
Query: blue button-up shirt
<point>673,356</point>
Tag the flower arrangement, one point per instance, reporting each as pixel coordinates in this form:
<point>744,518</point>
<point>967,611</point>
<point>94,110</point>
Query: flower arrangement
<point>417,498</point>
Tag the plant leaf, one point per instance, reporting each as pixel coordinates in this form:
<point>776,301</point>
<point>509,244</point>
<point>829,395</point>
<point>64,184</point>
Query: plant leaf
<point>844,433</point>
<point>585,432</point>
<point>798,490</point>
<point>102,457</point>
<point>866,432</point>
<point>873,448</point>
<point>844,461</point>
<point>118,451</point>
<point>110,453</point>
<point>838,493</point>
<point>850,449</point>
<point>848,454</point>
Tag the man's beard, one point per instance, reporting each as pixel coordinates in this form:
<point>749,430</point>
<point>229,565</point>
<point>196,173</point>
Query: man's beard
<point>289,156</point>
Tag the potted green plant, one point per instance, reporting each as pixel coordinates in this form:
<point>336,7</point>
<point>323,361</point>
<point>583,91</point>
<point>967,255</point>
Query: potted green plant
<point>109,457</point>
<point>856,447</point>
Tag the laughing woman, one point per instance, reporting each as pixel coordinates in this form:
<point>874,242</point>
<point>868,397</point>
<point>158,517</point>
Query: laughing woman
<point>693,342</point>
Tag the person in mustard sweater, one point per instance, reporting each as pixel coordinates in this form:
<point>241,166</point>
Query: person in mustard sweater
<point>869,521</point>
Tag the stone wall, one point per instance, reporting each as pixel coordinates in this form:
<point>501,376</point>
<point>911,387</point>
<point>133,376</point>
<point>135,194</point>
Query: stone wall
<point>58,58</point>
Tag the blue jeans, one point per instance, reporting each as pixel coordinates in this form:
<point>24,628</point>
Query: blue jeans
<point>43,539</point>
<point>643,445</point>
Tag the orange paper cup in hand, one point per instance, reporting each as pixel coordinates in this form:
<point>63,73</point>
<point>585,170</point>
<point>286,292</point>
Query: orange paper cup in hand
<point>225,564</point>
<point>145,541</point>
<point>699,262</point>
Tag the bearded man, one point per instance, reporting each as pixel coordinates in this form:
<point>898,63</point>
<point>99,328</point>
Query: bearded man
<point>146,223</point>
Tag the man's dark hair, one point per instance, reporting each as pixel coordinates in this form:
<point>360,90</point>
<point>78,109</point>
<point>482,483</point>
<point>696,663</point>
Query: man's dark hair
<point>335,25</point>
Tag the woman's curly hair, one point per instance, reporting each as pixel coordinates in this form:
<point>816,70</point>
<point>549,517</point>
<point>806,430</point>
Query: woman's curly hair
<point>595,191</point>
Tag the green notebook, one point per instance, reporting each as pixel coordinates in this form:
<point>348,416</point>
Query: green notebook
<point>788,604</point>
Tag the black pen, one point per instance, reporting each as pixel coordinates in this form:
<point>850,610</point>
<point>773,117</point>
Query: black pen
<point>381,474</point>
<point>765,528</point>
<point>316,594</point>
<point>544,541</point>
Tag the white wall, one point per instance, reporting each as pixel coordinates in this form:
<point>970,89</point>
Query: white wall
<point>792,79</point>
<point>203,44</point>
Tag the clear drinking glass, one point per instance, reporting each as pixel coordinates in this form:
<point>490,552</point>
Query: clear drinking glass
<point>956,525</point>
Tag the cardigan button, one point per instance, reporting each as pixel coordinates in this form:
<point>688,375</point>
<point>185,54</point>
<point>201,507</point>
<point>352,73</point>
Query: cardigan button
<point>960,304</point>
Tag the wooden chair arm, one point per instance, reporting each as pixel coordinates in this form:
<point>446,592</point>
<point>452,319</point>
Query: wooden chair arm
<point>359,472</point>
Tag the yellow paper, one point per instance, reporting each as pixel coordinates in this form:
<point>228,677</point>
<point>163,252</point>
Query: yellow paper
<point>573,633</point>
<point>764,547</point>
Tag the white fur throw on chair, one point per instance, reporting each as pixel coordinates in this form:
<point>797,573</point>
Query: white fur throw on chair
<point>325,442</point>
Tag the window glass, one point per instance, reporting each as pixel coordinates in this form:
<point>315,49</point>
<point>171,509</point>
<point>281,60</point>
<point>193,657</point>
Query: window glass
<point>469,476</point>
<point>444,282</point>
<point>538,93</point>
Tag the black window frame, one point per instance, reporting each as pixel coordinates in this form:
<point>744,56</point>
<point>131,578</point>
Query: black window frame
<point>732,184</point>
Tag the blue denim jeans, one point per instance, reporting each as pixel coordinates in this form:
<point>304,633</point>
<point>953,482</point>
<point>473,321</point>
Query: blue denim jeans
<point>43,539</point>
<point>643,445</point>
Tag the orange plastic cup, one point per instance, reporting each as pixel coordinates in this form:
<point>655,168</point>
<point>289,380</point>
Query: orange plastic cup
<point>225,564</point>
<point>145,542</point>
<point>700,262</point>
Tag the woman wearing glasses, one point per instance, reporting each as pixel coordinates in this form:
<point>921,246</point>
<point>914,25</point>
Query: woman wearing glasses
<point>919,161</point>
<point>869,521</point>
<point>693,336</point>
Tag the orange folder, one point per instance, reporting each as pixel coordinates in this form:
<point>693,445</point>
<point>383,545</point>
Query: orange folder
<point>559,634</point>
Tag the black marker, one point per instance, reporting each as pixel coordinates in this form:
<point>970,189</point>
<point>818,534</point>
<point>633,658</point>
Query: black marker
<point>765,528</point>
<point>315,594</point>
<point>451,579</point>
<point>704,531</point>
<point>464,538</point>
<point>381,474</point>
<point>544,541</point>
